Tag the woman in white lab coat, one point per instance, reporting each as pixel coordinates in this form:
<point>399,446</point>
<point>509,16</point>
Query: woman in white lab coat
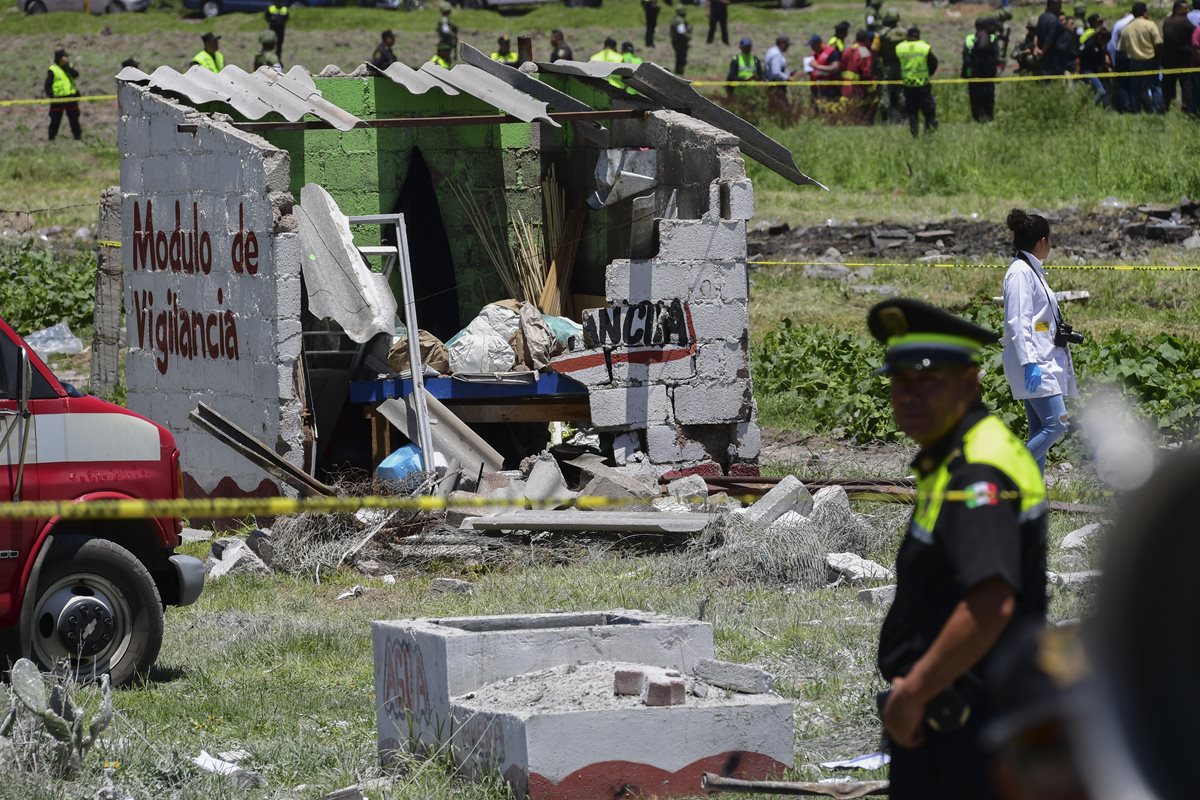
<point>1039,372</point>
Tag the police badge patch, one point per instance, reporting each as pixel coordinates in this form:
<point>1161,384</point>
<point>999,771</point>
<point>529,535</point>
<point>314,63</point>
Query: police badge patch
<point>982,494</point>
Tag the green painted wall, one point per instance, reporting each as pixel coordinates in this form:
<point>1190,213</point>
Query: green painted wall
<point>364,169</point>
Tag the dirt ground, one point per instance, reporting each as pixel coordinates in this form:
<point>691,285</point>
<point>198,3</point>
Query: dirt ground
<point>1114,236</point>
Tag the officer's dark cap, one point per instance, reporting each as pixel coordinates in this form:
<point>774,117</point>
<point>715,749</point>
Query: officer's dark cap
<point>914,31</point>
<point>842,26</point>
<point>210,37</point>
<point>921,336</point>
<point>610,43</point>
<point>1094,19</point>
<point>626,47</point>
<point>59,53</point>
<point>387,34</point>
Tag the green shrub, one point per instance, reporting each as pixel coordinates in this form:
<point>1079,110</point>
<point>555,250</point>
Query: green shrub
<point>40,288</point>
<point>816,380</point>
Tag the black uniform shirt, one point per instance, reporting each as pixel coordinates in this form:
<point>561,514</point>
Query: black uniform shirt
<point>971,542</point>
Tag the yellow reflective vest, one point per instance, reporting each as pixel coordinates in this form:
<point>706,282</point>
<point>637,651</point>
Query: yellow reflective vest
<point>441,62</point>
<point>613,57</point>
<point>914,62</point>
<point>213,63</point>
<point>64,84</point>
<point>988,442</point>
<point>505,58</point>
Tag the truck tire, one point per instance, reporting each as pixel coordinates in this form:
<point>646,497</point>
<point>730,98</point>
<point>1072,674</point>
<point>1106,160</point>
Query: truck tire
<point>96,605</point>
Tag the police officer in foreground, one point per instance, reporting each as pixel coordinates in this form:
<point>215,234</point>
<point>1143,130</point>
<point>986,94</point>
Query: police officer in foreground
<point>60,88</point>
<point>917,64</point>
<point>745,66</point>
<point>973,561</point>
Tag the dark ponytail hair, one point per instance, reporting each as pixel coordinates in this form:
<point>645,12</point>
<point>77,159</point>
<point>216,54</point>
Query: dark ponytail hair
<point>1028,229</point>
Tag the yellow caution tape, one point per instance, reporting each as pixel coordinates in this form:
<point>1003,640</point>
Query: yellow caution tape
<point>1070,76</point>
<point>108,243</point>
<point>856,264</point>
<point>97,510</point>
<point>92,98</point>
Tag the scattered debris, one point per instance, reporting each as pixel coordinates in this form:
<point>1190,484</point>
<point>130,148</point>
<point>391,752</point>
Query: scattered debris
<point>868,761</point>
<point>356,591</point>
<point>243,779</point>
<point>855,569</point>
<point>1080,539</point>
<point>879,596</point>
<point>232,556</point>
<point>596,521</point>
<point>193,535</point>
<point>787,495</point>
<point>259,542</point>
<point>451,586</point>
<point>734,677</point>
<point>546,482</point>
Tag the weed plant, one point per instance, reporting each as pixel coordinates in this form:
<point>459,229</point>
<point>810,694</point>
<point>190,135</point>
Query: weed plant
<point>41,287</point>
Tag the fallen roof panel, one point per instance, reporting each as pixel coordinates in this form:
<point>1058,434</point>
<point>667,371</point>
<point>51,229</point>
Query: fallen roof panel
<point>416,81</point>
<point>491,90</point>
<point>520,81</point>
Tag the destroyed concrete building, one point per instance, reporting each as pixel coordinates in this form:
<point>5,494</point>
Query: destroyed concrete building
<point>219,291</point>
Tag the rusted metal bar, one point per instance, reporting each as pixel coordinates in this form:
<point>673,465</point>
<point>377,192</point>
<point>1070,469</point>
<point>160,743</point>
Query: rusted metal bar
<point>845,790</point>
<point>428,122</point>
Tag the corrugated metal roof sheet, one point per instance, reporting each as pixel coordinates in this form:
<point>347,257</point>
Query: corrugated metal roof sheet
<point>415,81</point>
<point>520,81</point>
<point>253,95</point>
<point>677,94</point>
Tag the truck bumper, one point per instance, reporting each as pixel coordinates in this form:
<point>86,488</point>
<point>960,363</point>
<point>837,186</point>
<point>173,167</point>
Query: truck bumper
<point>190,571</point>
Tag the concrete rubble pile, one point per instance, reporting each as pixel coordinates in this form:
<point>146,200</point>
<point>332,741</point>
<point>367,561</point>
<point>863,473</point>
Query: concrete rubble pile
<point>591,704</point>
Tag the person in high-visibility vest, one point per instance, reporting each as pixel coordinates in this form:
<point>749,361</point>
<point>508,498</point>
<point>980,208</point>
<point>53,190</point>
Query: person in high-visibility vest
<point>917,64</point>
<point>443,57</point>
<point>210,57</point>
<point>504,52</point>
<point>60,85</point>
<point>971,571</point>
<point>745,66</point>
<point>629,57</point>
<point>276,16</point>
<point>981,59</point>
<point>610,54</point>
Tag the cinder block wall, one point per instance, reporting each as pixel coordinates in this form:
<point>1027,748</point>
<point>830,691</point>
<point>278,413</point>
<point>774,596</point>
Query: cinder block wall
<point>212,286</point>
<point>668,359</point>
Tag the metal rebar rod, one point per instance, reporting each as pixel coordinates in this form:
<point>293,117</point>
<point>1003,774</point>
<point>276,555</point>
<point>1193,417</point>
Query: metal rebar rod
<point>847,790</point>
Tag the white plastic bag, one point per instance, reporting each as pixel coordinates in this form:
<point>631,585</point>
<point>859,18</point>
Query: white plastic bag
<point>55,339</point>
<point>484,345</point>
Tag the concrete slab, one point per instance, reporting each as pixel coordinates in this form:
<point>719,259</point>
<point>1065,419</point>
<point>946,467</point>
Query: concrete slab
<point>420,664</point>
<point>561,734</point>
<point>572,520</point>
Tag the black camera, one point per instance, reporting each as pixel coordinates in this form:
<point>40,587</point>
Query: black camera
<point>1064,335</point>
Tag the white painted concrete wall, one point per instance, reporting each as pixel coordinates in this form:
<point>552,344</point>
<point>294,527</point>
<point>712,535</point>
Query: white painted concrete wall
<point>228,266</point>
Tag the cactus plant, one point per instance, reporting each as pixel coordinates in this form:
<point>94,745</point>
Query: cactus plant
<point>62,718</point>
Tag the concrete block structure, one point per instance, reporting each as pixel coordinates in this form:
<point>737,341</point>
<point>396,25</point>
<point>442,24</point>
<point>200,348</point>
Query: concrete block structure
<point>421,665</point>
<point>211,166</point>
<point>562,733</point>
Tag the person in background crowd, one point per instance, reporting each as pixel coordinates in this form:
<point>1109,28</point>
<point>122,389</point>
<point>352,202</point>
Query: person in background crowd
<point>1195,63</point>
<point>610,55</point>
<point>61,89</point>
<point>718,14</point>
<point>887,66</point>
<point>1177,54</point>
<point>1120,62</point>
<point>1026,60</point>
<point>838,41</point>
<point>857,65</point>
<point>825,73</point>
<point>446,30</point>
<point>1051,42</point>
<point>745,66</point>
<point>383,57</point>
<point>268,54</point>
<point>504,52</point>
<point>444,57</point>
<point>130,62</point>
<point>775,68</point>
<point>276,16</point>
<point>1093,57</point>
<point>210,57</point>
<point>1142,43</point>
<point>981,59</point>
<point>971,570</point>
<point>559,49</point>
<point>681,37</point>
<point>650,9</point>
<point>1039,371</point>
<point>629,55</point>
<point>917,65</point>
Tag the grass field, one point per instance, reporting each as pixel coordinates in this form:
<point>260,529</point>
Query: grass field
<point>276,667</point>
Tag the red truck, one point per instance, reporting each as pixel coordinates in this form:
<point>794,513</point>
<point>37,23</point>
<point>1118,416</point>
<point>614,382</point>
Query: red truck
<point>91,592</point>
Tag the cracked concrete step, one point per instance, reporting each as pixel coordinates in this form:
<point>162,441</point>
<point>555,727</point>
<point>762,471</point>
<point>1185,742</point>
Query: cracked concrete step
<point>627,522</point>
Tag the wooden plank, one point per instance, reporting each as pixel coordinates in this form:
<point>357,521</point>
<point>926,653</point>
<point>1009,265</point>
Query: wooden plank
<point>381,436</point>
<point>600,521</point>
<point>110,294</point>
<point>531,410</point>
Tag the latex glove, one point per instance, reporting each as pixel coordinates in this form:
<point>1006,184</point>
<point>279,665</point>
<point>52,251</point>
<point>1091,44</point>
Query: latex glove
<point>1033,377</point>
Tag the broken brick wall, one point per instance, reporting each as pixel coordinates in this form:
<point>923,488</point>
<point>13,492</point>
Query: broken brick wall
<point>667,360</point>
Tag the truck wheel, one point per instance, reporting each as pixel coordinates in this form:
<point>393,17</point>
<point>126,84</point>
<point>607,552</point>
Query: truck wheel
<point>96,606</point>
